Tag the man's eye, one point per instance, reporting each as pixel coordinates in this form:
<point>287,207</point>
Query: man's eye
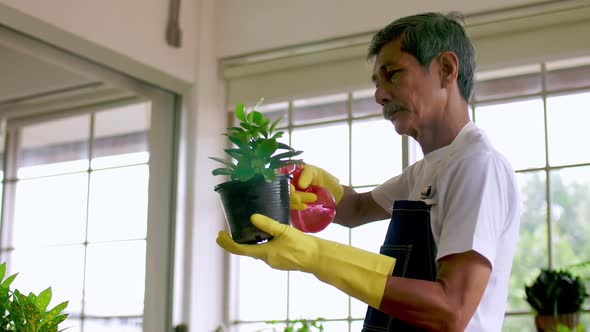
<point>391,74</point>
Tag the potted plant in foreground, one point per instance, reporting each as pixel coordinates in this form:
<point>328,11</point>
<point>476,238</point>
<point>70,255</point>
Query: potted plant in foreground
<point>28,313</point>
<point>255,185</point>
<point>557,297</point>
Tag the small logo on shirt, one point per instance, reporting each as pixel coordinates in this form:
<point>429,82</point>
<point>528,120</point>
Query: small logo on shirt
<point>426,192</point>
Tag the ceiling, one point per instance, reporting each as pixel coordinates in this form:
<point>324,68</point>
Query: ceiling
<point>25,76</point>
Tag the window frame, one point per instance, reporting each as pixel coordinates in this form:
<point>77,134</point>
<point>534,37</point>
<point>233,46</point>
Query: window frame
<point>114,88</point>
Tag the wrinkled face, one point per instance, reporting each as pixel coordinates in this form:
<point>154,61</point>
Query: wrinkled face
<point>411,95</point>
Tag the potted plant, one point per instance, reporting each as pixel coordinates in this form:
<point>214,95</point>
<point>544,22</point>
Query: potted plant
<point>557,297</point>
<point>27,313</point>
<point>255,185</point>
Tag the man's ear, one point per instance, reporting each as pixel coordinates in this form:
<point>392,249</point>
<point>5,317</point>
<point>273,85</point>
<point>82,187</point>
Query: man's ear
<point>449,65</point>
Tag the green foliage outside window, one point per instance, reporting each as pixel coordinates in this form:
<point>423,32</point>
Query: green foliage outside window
<point>570,237</point>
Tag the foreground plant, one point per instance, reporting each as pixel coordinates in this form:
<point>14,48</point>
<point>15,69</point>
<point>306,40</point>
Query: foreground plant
<point>27,313</point>
<point>257,151</point>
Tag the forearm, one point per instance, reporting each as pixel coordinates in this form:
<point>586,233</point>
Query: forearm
<point>356,209</point>
<point>422,303</point>
<point>446,304</point>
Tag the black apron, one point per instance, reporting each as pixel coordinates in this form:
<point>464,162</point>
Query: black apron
<point>409,240</point>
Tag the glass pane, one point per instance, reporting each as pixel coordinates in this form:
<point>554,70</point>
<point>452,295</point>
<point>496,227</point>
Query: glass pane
<point>118,204</point>
<point>325,147</point>
<point>567,119</point>
<point>334,232</point>
<point>115,271</point>
<point>356,325</point>
<point>261,291</point>
<point>121,136</point>
<point>569,78</point>
<point>372,166</point>
<point>61,268</point>
<point>256,327</point>
<point>71,325</point>
<point>519,323</point>
<point>531,252</point>
<point>113,325</point>
<point>311,298</point>
<point>507,87</point>
<point>338,326</point>
<point>54,147</point>
<point>504,125</point>
<point>364,104</point>
<point>585,319</point>
<point>570,194</point>
<point>305,288</point>
<point>41,217</point>
<point>325,108</point>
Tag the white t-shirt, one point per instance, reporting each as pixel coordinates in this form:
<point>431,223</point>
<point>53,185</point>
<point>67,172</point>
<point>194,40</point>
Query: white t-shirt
<point>474,206</point>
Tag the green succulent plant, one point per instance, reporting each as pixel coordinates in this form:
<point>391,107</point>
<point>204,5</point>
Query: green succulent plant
<point>556,292</point>
<point>257,152</point>
<point>27,313</point>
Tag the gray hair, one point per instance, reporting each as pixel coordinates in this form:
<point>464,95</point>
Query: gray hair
<point>427,35</point>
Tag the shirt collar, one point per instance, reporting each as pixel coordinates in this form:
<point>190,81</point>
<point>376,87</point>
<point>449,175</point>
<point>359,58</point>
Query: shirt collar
<point>447,149</point>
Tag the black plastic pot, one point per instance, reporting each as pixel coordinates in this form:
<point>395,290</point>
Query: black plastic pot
<point>242,199</point>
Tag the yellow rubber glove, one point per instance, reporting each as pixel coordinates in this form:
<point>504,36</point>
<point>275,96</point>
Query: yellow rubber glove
<point>299,198</point>
<point>319,177</point>
<point>358,273</point>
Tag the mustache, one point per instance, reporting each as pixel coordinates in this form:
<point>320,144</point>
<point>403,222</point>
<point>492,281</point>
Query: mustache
<point>390,108</point>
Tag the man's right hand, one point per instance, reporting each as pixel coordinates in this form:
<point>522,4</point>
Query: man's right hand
<point>312,175</point>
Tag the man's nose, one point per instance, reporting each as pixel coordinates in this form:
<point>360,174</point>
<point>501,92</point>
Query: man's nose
<point>382,96</point>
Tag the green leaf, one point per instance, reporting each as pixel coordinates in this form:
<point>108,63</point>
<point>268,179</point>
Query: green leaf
<point>234,153</point>
<point>284,146</point>
<point>53,313</point>
<point>264,122</point>
<point>4,295</point>
<point>256,118</point>
<point>2,271</point>
<point>223,161</point>
<point>237,141</point>
<point>240,112</point>
<point>274,124</point>
<point>32,297</point>
<point>32,315</point>
<point>43,300</point>
<point>287,154</point>
<point>247,126</point>
<point>236,129</point>
<point>6,283</point>
<point>222,171</point>
<point>266,148</point>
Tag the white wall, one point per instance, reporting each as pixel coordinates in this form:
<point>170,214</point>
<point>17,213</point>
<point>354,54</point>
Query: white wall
<point>204,210</point>
<point>256,25</point>
<point>132,29</point>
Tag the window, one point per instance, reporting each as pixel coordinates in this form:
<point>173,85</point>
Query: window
<point>535,115</point>
<point>345,134</point>
<point>75,213</point>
